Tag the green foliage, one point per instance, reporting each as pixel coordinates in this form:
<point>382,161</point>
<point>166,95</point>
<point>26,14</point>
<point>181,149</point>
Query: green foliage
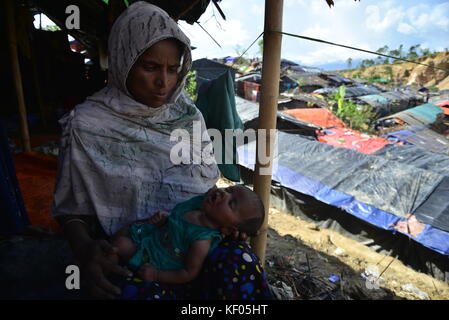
<point>414,52</point>
<point>355,116</point>
<point>389,72</point>
<point>375,78</point>
<point>51,28</point>
<point>191,85</point>
<point>241,60</point>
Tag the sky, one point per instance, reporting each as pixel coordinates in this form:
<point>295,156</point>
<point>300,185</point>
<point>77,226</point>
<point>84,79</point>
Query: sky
<point>366,24</point>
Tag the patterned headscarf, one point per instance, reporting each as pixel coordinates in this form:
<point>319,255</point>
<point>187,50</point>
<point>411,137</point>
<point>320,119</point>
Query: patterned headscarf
<point>115,155</point>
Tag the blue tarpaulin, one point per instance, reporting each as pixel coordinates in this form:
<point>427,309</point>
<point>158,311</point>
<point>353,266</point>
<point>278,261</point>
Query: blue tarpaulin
<point>373,188</point>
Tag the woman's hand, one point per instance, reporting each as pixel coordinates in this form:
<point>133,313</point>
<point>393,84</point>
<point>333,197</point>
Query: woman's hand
<point>240,236</point>
<point>98,260</point>
<point>159,218</point>
<point>147,272</point>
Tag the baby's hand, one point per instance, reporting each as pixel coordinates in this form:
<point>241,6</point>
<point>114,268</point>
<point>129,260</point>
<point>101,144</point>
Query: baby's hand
<point>158,218</point>
<point>147,272</point>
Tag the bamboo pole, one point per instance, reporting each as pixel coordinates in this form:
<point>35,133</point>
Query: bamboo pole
<point>12,44</point>
<point>267,112</point>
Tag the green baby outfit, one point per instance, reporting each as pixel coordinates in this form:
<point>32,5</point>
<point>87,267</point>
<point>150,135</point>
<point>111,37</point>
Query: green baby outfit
<point>165,247</point>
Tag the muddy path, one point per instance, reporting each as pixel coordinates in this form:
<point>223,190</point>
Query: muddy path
<point>304,261</point>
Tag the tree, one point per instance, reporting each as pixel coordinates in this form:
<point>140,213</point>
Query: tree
<point>425,52</point>
<point>394,53</point>
<point>400,50</point>
<point>355,116</point>
<point>349,63</point>
<point>382,50</point>
<point>369,62</point>
<point>412,54</point>
<point>241,57</point>
<point>190,86</point>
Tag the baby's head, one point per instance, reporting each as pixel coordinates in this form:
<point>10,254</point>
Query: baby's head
<point>234,208</point>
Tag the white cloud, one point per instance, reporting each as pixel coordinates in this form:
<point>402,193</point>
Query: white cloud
<point>257,9</point>
<point>405,28</point>
<point>318,32</point>
<point>229,35</point>
<point>376,23</point>
<point>368,24</point>
<point>424,17</point>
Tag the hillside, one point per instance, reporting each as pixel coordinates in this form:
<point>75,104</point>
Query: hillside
<point>410,73</point>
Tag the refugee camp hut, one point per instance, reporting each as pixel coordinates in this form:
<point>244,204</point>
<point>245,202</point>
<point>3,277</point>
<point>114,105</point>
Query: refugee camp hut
<point>417,126</point>
<point>336,80</point>
<point>287,64</point>
<point>307,82</point>
<point>207,70</point>
<point>360,90</point>
<point>249,114</point>
<point>399,101</point>
<point>440,96</point>
<point>248,86</point>
<point>301,100</point>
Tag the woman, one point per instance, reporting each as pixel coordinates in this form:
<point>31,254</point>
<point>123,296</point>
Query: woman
<point>115,166</point>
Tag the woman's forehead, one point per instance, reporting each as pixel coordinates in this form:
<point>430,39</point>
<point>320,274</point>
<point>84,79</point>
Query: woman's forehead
<point>163,50</point>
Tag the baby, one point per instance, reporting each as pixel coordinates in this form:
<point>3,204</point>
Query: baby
<point>172,248</point>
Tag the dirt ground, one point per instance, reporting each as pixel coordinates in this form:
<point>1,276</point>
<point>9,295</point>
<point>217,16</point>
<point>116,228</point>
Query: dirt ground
<point>304,261</point>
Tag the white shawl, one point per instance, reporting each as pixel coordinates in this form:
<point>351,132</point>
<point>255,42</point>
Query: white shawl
<point>114,159</point>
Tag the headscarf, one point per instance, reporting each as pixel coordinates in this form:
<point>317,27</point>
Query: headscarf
<point>114,159</point>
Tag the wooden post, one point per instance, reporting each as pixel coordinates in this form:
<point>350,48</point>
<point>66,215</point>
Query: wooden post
<point>267,112</point>
<point>12,44</point>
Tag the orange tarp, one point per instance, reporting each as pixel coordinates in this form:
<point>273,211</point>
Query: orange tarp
<point>352,139</point>
<point>37,174</point>
<point>318,116</point>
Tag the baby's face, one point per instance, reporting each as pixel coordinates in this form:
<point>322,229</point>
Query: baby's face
<point>228,207</point>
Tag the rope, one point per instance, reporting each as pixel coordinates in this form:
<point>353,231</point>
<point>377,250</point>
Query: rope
<point>247,49</point>
<point>358,49</point>
<point>343,46</point>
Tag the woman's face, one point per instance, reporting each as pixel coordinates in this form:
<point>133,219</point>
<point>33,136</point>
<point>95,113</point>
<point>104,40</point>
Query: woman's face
<point>152,79</point>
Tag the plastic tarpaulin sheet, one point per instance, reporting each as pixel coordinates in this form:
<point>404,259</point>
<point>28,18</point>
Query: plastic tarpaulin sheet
<point>361,91</point>
<point>216,101</point>
<point>425,114</point>
<point>377,190</point>
<point>351,139</point>
<point>424,138</point>
<point>319,116</point>
<point>435,210</point>
<point>249,113</point>
<point>417,157</point>
<point>384,184</point>
<point>374,99</point>
<point>427,111</point>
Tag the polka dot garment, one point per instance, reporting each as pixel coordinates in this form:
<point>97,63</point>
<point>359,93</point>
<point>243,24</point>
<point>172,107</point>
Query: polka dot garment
<point>231,272</point>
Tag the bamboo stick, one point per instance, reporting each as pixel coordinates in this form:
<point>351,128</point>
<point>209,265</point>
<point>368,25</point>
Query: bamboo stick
<point>12,44</point>
<point>268,111</point>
